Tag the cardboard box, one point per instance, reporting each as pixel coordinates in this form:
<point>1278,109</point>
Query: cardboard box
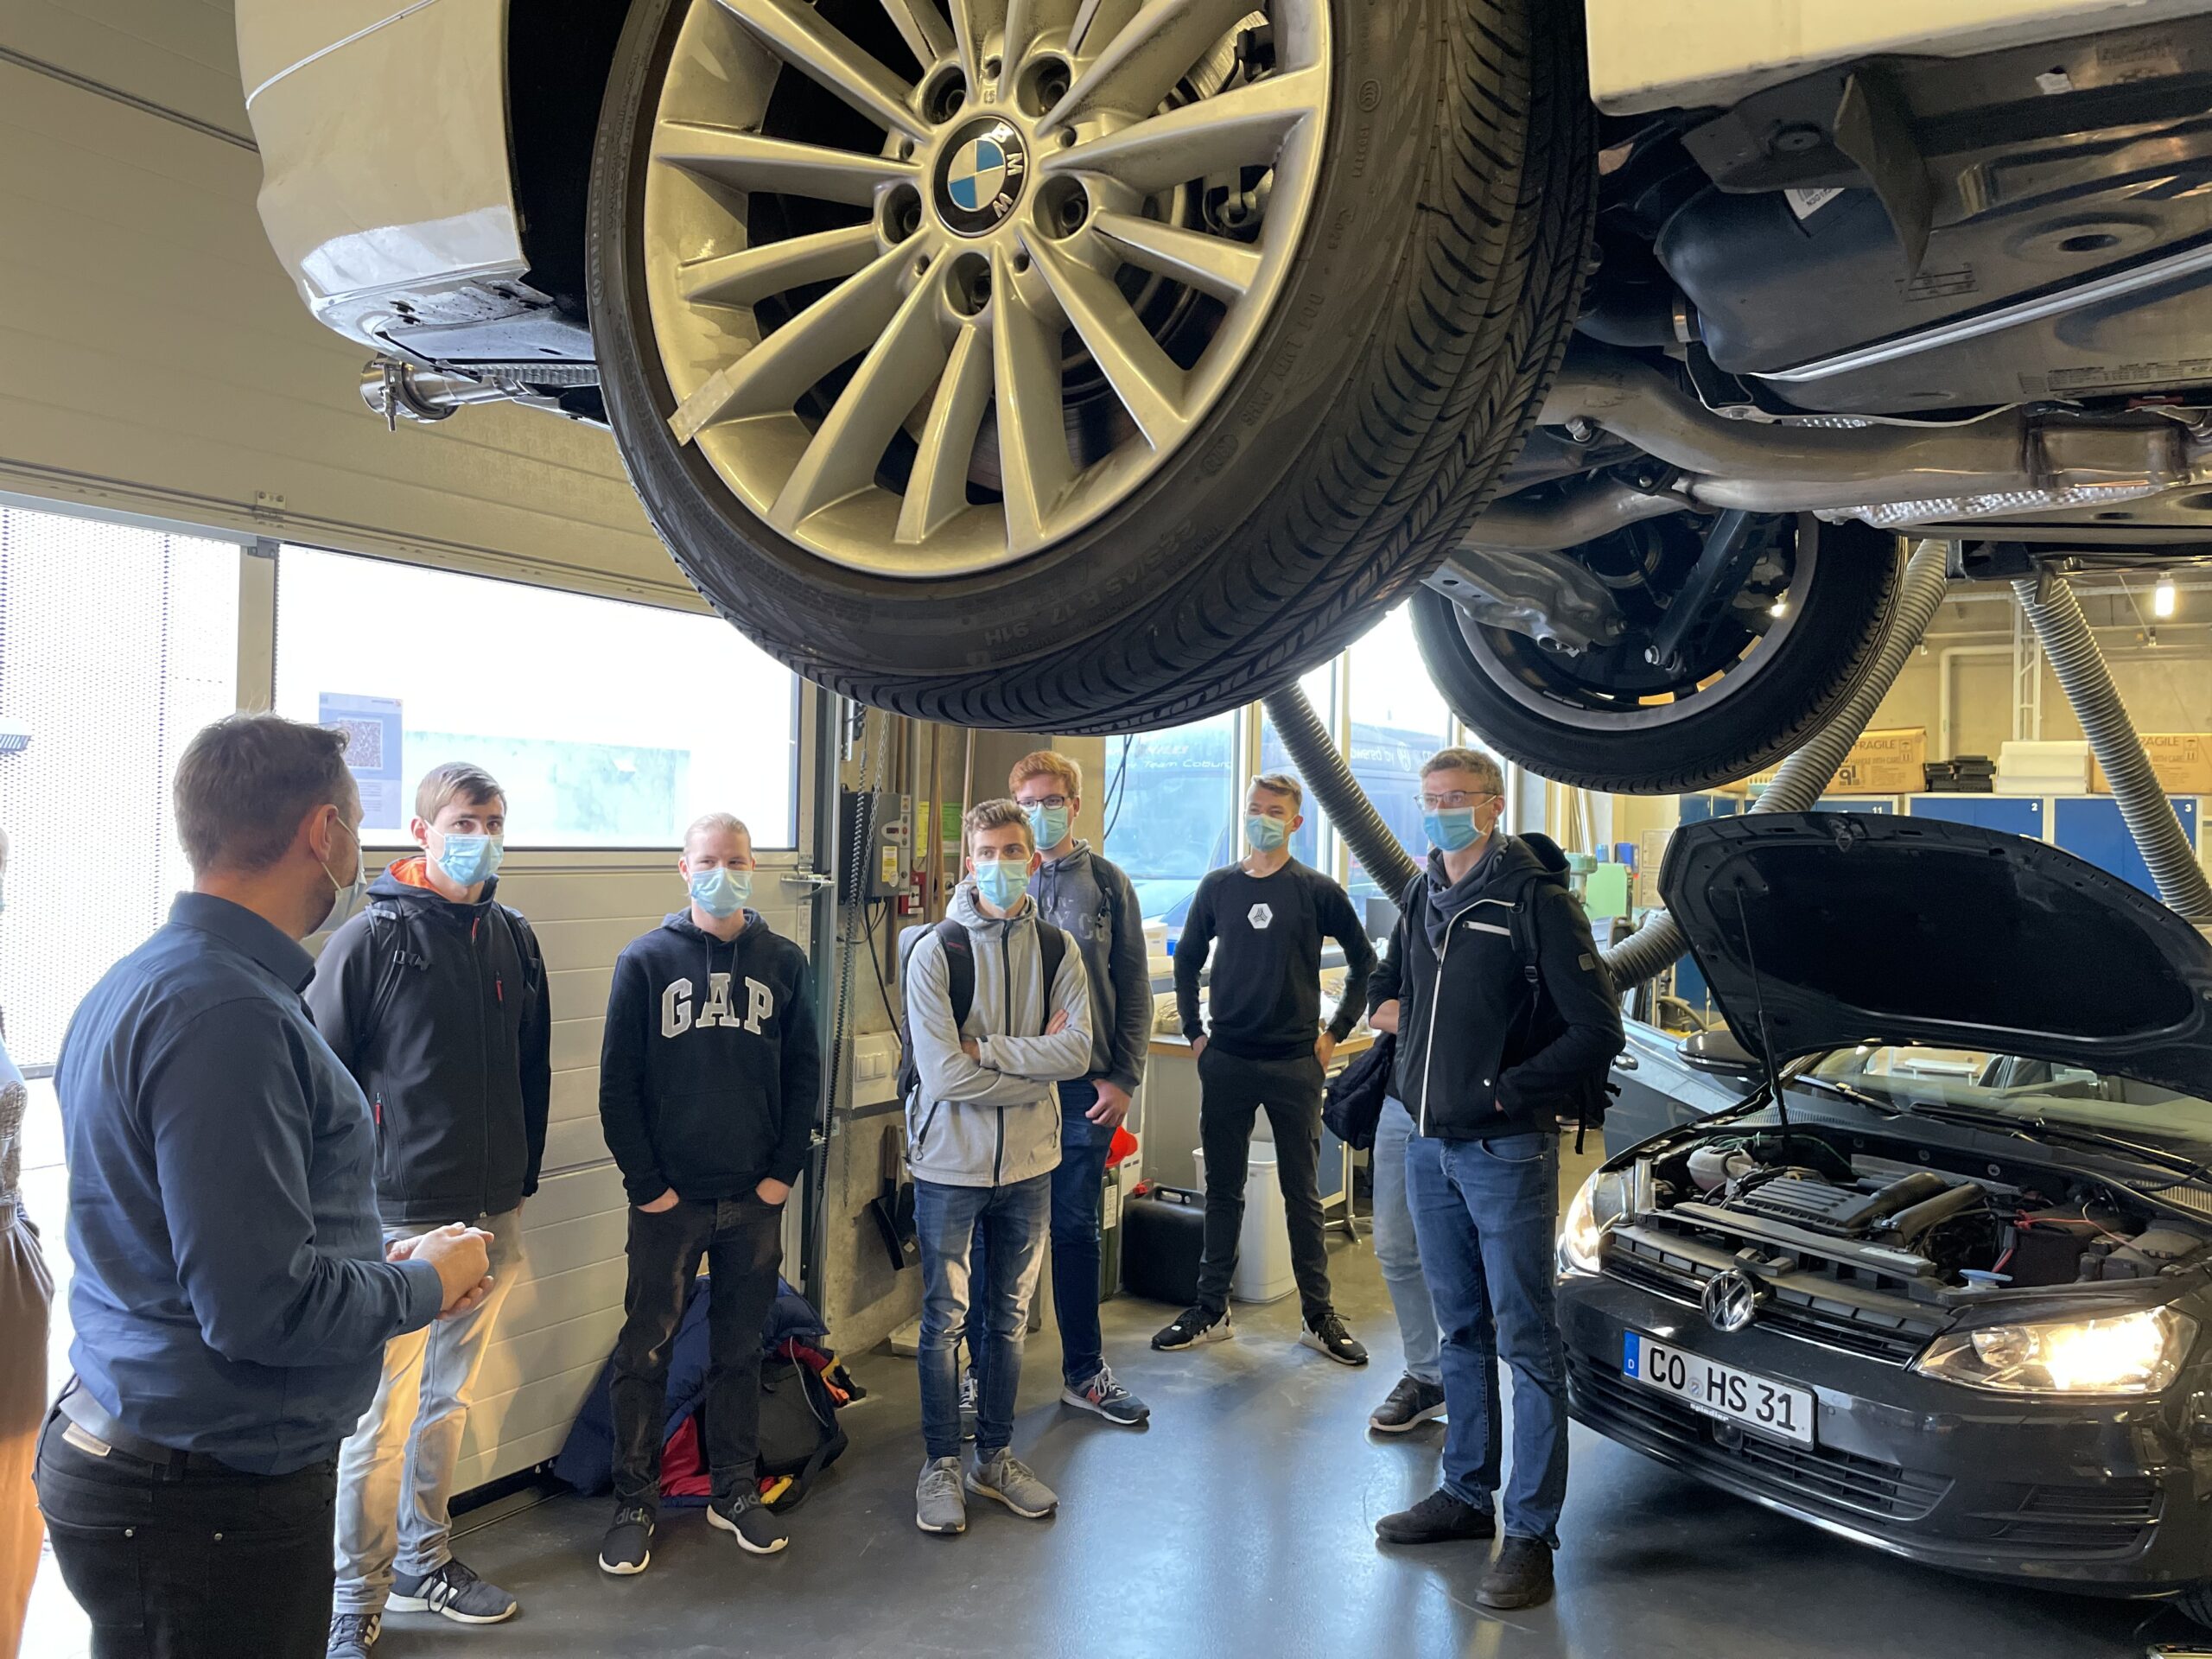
<point>2182,761</point>
<point>1885,763</point>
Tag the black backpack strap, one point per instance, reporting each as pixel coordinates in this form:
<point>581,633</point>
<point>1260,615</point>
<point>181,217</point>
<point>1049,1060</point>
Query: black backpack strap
<point>1051,950</point>
<point>959,968</point>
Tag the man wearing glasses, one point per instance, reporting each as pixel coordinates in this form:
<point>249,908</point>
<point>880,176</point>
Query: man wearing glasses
<point>1504,1015</point>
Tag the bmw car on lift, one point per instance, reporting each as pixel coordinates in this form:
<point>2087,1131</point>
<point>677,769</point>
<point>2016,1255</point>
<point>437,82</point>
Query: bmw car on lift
<point>1944,1285</point>
<point>1096,365</point>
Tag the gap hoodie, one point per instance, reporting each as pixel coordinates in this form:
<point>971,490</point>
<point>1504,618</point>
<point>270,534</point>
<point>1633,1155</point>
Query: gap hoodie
<point>710,1068</point>
<point>994,1120</point>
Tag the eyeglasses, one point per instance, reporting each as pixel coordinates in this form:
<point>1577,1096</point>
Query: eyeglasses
<point>1050,803</point>
<point>1455,799</point>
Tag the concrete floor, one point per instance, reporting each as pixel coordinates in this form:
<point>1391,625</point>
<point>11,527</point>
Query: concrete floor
<point>1240,1523</point>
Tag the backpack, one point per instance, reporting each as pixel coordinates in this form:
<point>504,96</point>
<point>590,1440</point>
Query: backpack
<point>1352,1105</point>
<point>799,1433</point>
<point>1587,1099</point>
<point>387,924</point>
<point>960,981</point>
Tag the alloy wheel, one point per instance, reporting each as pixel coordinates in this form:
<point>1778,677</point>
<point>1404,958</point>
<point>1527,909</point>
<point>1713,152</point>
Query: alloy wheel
<point>935,288</point>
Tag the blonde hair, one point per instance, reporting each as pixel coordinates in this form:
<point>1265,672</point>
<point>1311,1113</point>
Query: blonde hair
<point>1046,763</point>
<point>707,823</point>
<point>456,780</point>
<point>1483,765</point>
<point>994,814</point>
<point>1281,782</point>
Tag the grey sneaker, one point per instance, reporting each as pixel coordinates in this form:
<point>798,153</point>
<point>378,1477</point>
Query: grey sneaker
<point>454,1592</point>
<point>969,1397</point>
<point>1005,1477</point>
<point>1109,1399</point>
<point>352,1634</point>
<point>939,1505</point>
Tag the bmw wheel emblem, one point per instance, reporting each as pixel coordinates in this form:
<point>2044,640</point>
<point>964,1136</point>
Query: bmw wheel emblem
<point>980,175</point>
<point>1731,1300</point>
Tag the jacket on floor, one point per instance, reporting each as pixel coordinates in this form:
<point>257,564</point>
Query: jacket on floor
<point>440,1010</point>
<point>993,1120</point>
<point>710,1067</point>
<point>1484,1050</point>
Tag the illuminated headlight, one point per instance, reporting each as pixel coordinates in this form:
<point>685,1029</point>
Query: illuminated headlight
<point>1602,1201</point>
<point>2127,1353</point>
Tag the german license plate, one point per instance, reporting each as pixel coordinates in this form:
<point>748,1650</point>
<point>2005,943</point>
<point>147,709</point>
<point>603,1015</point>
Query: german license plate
<point>1719,1390</point>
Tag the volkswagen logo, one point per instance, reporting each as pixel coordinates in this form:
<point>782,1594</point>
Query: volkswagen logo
<point>1731,1298</point>
<point>980,177</point>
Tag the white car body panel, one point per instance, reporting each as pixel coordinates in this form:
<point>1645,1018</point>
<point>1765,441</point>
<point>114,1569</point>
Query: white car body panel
<point>1645,55</point>
<point>382,130</point>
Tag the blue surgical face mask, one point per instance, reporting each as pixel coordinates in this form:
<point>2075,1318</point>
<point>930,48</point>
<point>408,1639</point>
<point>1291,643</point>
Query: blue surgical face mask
<point>721,892</point>
<point>1048,823</point>
<point>467,860</point>
<point>1265,834</point>
<point>1002,882</point>
<point>1451,828</point>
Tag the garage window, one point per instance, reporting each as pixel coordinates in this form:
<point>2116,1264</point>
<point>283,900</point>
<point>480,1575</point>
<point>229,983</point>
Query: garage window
<point>116,643</point>
<point>1313,845</point>
<point>1398,720</point>
<point>609,724</point>
<point>1172,813</point>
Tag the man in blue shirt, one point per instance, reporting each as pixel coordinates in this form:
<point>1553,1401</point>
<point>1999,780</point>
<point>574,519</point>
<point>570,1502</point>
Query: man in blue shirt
<point>232,1294</point>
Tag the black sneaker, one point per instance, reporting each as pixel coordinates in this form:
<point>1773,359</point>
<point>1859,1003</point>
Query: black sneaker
<point>352,1634</point>
<point>1412,1403</point>
<point>1193,1326</point>
<point>1436,1519</point>
<point>758,1532</point>
<point>1327,1335</point>
<point>1520,1577</point>
<point>455,1593</point>
<point>628,1547</point>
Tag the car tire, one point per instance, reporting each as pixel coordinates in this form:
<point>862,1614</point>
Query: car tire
<point>1775,698</point>
<point>1422,320</point>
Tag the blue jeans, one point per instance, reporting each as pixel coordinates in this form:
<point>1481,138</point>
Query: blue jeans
<point>1486,1213</point>
<point>1079,1192</point>
<point>949,1221</point>
<point>1397,1252</point>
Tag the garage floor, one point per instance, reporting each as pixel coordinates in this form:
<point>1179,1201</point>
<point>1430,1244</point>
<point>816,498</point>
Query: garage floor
<point>1240,1523</point>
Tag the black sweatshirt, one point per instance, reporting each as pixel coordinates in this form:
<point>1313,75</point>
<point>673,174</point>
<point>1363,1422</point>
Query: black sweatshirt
<point>709,1070</point>
<point>1264,1001</point>
<point>439,1011</point>
<point>1481,1050</point>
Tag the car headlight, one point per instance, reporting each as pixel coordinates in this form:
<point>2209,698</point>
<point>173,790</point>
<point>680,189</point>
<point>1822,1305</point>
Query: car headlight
<point>2126,1353</point>
<point>1601,1201</point>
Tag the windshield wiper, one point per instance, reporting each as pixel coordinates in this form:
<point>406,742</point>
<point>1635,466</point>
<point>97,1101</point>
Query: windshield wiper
<point>2020,1125</point>
<point>1844,1092</point>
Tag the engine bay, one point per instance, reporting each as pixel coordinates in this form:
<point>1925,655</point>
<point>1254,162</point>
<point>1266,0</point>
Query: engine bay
<point>1899,1219</point>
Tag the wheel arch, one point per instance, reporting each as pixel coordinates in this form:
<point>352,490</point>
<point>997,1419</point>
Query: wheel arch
<point>559,55</point>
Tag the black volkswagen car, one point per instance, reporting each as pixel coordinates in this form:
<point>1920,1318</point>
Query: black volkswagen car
<point>1943,1283</point>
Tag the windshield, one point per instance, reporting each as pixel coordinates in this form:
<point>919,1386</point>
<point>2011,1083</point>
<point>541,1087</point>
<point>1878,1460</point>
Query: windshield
<point>1911,1075</point>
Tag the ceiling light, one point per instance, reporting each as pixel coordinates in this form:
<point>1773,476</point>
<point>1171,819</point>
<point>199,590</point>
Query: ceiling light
<point>2165,598</point>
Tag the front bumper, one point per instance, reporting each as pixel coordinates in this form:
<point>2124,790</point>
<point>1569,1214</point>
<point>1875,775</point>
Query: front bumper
<point>2100,1496</point>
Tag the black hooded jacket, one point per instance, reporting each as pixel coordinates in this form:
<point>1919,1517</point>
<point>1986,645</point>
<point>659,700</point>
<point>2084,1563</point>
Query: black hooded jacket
<point>710,1067</point>
<point>439,1011</point>
<point>1481,1051</point>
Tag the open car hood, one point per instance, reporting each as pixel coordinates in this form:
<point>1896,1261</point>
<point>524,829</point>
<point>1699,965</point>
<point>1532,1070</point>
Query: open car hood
<point>1836,929</point>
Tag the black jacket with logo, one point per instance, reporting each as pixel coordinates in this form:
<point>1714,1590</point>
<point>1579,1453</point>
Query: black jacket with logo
<point>439,1011</point>
<point>710,1068</point>
<point>1481,1051</point>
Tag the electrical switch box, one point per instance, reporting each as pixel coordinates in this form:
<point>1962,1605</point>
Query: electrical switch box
<point>876,828</point>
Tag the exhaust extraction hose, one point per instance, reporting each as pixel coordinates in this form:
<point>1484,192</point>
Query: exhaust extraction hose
<point>1322,766</point>
<point>1805,776</point>
<point>2080,665</point>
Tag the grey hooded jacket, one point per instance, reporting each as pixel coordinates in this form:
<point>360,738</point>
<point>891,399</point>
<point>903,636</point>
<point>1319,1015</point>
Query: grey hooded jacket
<point>994,1120</point>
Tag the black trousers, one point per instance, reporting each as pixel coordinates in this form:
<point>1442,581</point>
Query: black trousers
<point>742,1242</point>
<point>1232,1092</point>
<point>198,1562</point>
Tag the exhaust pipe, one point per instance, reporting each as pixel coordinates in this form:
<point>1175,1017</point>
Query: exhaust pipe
<point>2080,665</point>
<point>395,392</point>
